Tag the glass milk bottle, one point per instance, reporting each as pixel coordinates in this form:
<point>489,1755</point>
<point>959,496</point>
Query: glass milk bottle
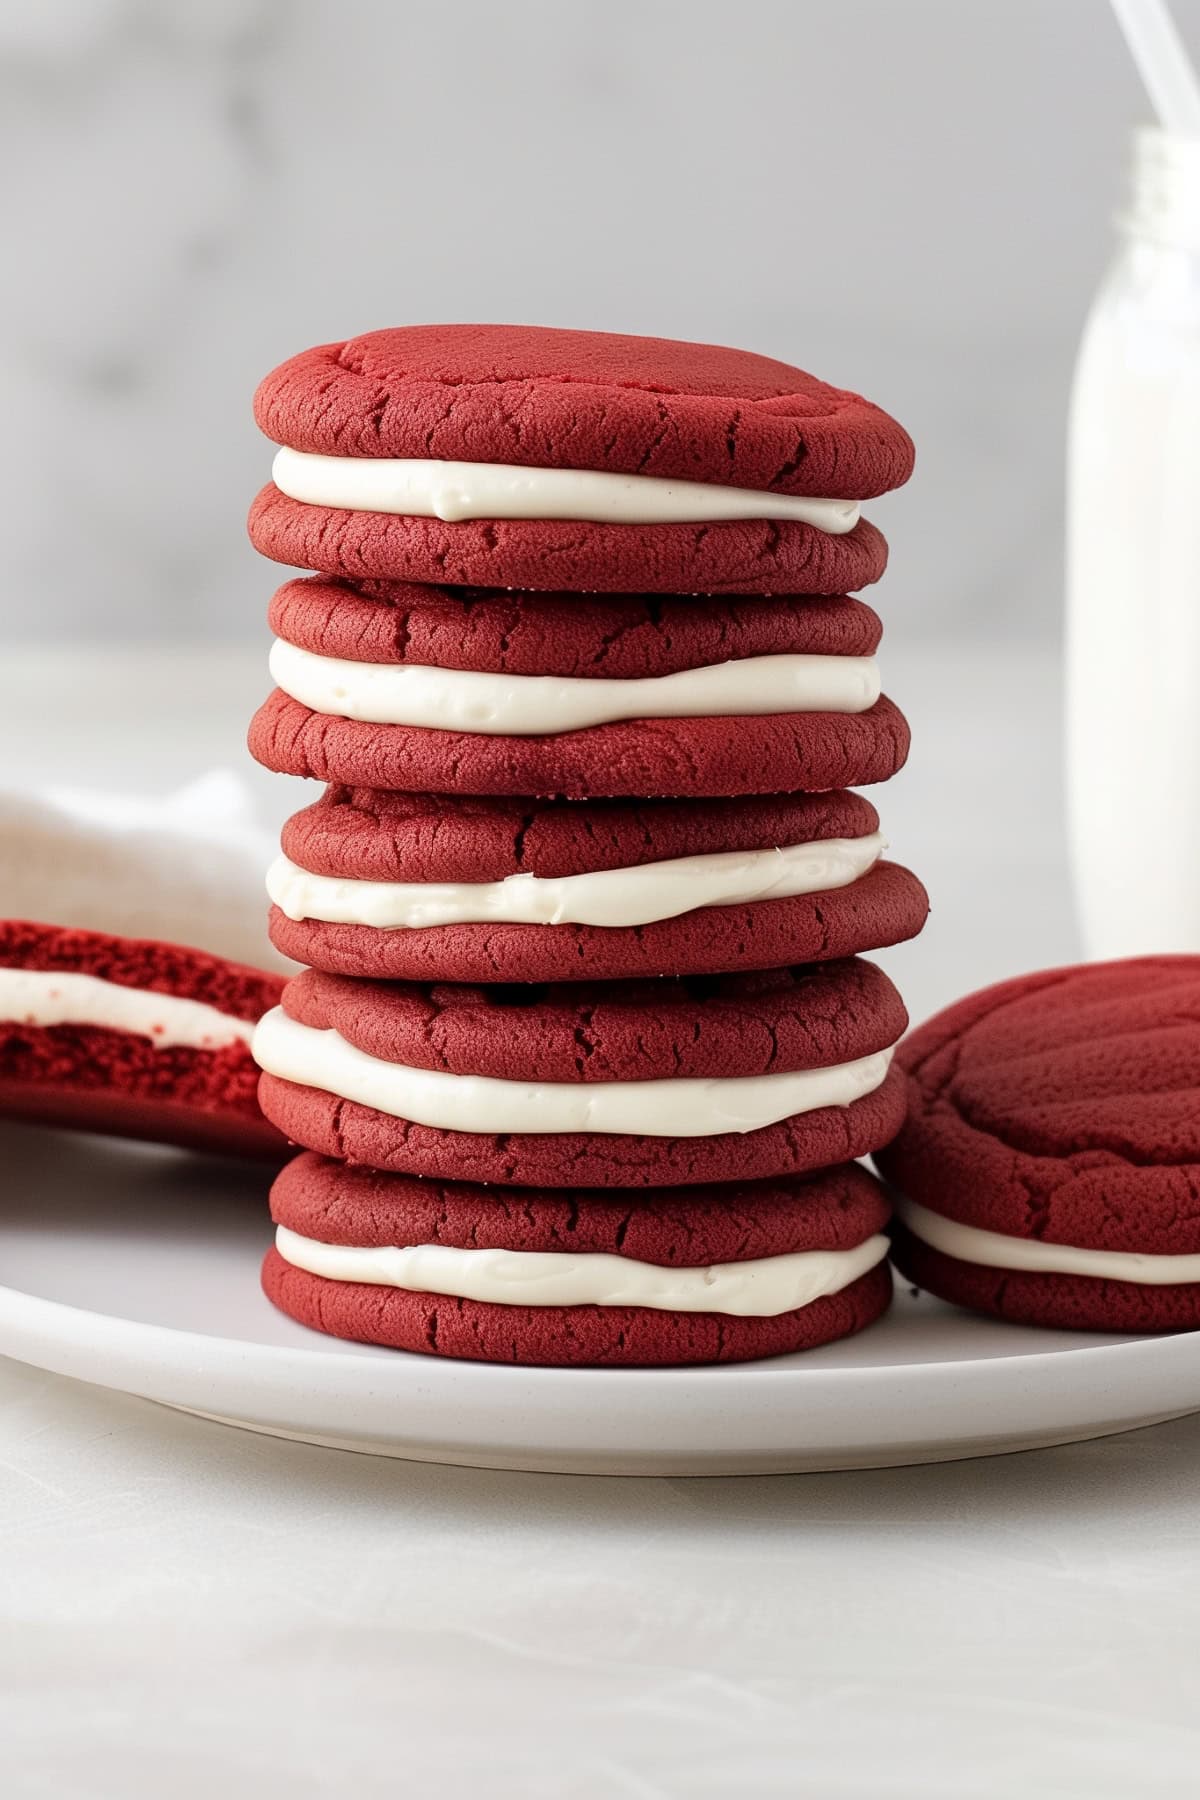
<point>1133,574</point>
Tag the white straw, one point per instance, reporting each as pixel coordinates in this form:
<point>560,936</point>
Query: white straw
<point>1163,63</point>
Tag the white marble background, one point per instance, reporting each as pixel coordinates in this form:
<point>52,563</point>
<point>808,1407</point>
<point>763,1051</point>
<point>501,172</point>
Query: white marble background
<point>910,198</point>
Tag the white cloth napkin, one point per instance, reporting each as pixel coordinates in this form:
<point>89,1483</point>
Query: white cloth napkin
<point>188,869</point>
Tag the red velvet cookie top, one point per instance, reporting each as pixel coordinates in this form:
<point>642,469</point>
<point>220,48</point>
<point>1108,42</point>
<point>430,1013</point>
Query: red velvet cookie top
<point>368,834</point>
<point>1063,1105</point>
<point>606,636</point>
<point>337,1204</point>
<point>767,1022</point>
<point>233,988</point>
<point>538,397</point>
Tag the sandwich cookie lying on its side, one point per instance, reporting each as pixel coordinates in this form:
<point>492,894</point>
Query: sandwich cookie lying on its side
<point>1050,1166</point>
<point>430,887</point>
<point>525,457</point>
<point>132,1038</point>
<point>578,1277</point>
<point>433,690</point>
<point>624,1084</point>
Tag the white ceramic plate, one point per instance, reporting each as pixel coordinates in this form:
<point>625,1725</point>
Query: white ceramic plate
<point>138,1269</point>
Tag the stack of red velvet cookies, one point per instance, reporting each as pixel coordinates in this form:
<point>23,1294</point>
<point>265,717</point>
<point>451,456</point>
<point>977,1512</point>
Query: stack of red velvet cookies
<point>584,1051</point>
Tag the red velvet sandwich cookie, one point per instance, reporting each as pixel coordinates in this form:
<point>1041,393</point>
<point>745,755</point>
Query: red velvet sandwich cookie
<point>624,1084</point>
<point>131,1038</point>
<point>1049,1169</point>
<point>517,456</point>
<point>579,1278</point>
<point>437,887</point>
<point>425,689</point>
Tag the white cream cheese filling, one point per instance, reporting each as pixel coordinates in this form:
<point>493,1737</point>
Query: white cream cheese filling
<point>498,705</point>
<point>454,491</point>
<point>642,895</point>
<point>996,1250</point>
<point>758,1289</point>
<point>672,1107</point>
<point>56,997</point>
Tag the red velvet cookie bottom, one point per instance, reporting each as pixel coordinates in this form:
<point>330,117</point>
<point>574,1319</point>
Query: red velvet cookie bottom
<point>1060,1302</point>
<point>885,906</point>
<point>88,1078</point>
<point>636,758</point>
<point>739,556</point>
<point>357,1134</point>
<point>187,1127</point>
<point>564,1336</point>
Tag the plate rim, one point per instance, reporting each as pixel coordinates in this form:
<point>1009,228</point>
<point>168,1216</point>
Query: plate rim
<point>481,1434</point>
<point>763,1416</point>
<point>14,1301</point>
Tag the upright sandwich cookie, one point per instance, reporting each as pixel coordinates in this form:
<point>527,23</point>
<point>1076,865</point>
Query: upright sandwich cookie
<point>622,1084</point>
<point>582,1017</point>
<point>131,1037</point>
<point>434,887</point>
<point>444,690</point>
<point>1050,1166</point>
<point>518,456</point>
<point>578,1278</point>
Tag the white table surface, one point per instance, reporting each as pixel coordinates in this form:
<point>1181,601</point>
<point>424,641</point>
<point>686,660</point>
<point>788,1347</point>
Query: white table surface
<point>189,1610</point>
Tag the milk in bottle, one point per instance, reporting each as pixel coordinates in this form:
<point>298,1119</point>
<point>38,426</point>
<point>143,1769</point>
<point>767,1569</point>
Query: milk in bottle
<point>1133,574</point>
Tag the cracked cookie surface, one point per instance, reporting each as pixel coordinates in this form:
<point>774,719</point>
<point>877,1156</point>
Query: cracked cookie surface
<point>772,753</point>
<point>835,1210</point>
<point>618,637</point>
<point>541,397</point>
<point>361,834</point>
<point>772,1022</point>
<point>1063,1108</point>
